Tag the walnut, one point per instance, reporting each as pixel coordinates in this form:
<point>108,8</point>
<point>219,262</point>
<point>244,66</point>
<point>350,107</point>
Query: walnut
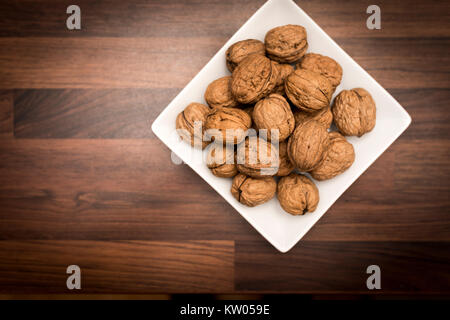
<point>308,90</point>
<point>221,160</point>
<point>254,78</point>
<point>257,158</point>
<point>340,157</point>
<point>324,116</point>
<point>308,145</point>
<point>283,70</point>
<point>227,125</point>
<point>286,166</point>
<point>242,49</point>
<point>297,194</point>
<point>274,114</point>
<point>218,93</point>
<point>249,109</point>
<point>354,112</point>
<point>190,124</point>
<point>323,65</point>
<point>286,44</point>
<point>251,191</point>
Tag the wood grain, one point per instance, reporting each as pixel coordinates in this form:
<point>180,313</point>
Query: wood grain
<point>128,113</point>
<point>106,189</point>
<point>6,114</point>
<point>82,176</point>
<point>87,113</point>
<point>102,62</point>
<point>217,18</point>
<point>117,266</point>
<point>124,189</point>
<point>341,267</point>
<point>157,63</point>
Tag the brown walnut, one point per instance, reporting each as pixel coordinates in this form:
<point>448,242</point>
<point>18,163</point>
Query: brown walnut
<point>297,194</point>
<point>286,166</point>
<point>307,147</point>
<point>286,44</point>
<point>218,93</point>
<point>227,125</point>
<point>221,160</point>
<point>340,157</point>
<point>323,65</point>
<point>242,49</point>
<point>284,70</point>
<point>308,90</point>
<point>249,109</point>
<point>187,119</point>
<point>274,114</point>
<point>254,78</point>
<point>354,112</point>
<point>324,117</point>
<point>257,158</point>
<point>251,191</point>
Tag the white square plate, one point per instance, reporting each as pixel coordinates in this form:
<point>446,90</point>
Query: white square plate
<point>281,229</point>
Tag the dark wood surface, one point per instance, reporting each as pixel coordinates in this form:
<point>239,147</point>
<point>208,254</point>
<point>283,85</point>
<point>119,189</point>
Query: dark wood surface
<point>84,181</point>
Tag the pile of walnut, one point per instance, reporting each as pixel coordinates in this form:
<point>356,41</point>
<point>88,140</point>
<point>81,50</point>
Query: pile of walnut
<point>266,92</point>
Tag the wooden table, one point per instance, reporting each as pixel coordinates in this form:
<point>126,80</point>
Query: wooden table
<point>83,180</point>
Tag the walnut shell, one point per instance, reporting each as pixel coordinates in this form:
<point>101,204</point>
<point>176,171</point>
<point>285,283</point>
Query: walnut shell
<point>324,117</point>
<point>297,194</point>
<point>308,90</point>
<point>286,166</point>
<point>249,110</point>
<point>307,147</point>
<point>221,160</point>
<point>284,70</point>
<point>242,49</point>
<point>186,124</point>
<point>340,156</point>
<point>274,114</point>
<point>227,125</point>
<point>286,44</point>
<point>251,191</point>
<point>254,78</point>
<point>218,93</point>
<point>257,158</point>
<point>323,65</point>
<point>354,112</point>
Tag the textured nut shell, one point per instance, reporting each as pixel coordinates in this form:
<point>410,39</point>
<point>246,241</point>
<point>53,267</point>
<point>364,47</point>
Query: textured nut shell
<point>242,49</point>
<point>218,93</point>
<point>221,160</point>
<point>284,70</point>
<point>308,90</point>
<point>354,112</point>
<point>286,166</point>
<point>323,65</point>
<point>256,163</point>
<point>222,119</point>
<point>249,110</point>
<point>324,117</point>
<point>308,145</point>
<point>274,113</point>
<point>251,191</point>
<point>286,44</point>
<point>186,120</point>
<point>297,194</point>
<point>340,156</point>
<point>254,78</point>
